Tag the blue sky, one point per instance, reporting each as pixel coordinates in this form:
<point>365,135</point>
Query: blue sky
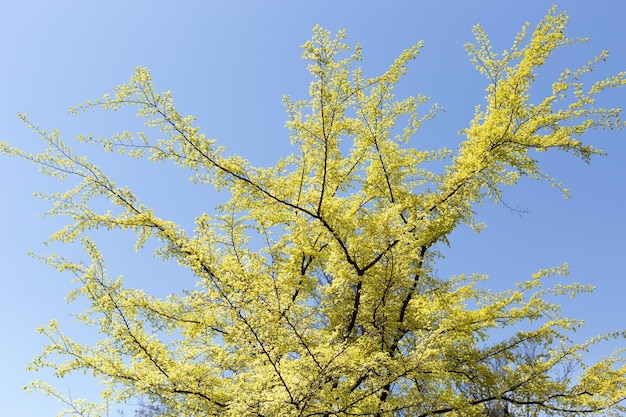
<point>229,63</point>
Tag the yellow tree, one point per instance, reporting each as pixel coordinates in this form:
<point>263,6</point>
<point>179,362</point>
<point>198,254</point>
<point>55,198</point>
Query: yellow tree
<point>315,291</point>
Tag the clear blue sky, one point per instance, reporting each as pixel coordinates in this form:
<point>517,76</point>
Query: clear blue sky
<point>229,63</point>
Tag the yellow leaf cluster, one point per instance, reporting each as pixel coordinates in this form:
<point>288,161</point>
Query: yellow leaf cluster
<point>316,292</point>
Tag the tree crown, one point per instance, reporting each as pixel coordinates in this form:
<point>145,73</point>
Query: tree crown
<point>316,293</point>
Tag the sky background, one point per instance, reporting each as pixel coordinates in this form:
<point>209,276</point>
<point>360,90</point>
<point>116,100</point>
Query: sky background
<point>229,63</point>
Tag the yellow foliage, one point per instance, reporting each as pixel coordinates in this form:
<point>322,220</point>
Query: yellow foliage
<point>339,313</point>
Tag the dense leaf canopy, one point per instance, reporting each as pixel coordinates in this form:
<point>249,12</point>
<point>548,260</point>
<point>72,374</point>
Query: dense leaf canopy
<point>316,294</point>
